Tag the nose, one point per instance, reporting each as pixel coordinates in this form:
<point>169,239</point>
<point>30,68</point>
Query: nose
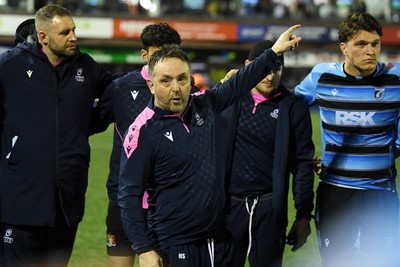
<point>72,36</point>
<point>270,76</point>
<point>175,86</point>
<point>370,49</point>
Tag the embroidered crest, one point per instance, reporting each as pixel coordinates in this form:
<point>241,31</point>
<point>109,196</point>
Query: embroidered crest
<point>379,93</point>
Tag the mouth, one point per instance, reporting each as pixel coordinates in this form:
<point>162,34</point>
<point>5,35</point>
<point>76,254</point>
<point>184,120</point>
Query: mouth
<point>176,100</point>
<point>370,60</point>
<point>266,82</point>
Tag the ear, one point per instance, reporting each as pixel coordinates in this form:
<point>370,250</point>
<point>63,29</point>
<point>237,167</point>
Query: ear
<point>247,62</point>
<point>343,48</point>
<point>150,84</point>
<point>145,56</point>
<point>42,38</point>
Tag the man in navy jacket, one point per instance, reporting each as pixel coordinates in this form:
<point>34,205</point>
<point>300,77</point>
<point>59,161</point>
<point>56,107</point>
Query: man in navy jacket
<point>169,151</point>
<point>47,91</point>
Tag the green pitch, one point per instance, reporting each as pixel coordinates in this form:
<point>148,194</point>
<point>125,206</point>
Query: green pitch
<point>90,248</point>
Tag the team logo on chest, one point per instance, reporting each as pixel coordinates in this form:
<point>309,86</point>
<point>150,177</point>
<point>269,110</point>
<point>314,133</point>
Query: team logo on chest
<point>379,93</point>
<point>274,114</point>
<point>79,75</point>
<point>199,119</point>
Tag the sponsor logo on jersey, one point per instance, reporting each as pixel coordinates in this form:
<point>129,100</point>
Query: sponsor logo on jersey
<point>362,118</point>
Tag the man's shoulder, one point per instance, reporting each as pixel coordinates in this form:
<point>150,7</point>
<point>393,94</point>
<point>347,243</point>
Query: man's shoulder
<point>390,67</point>
<point>131,76</point>
<point>12,53</point>
<point>324,67</point>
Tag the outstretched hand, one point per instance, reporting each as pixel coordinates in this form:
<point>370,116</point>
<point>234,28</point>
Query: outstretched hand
<point>287,40</point>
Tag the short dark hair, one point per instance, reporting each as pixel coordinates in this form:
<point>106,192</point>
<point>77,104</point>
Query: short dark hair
<point>258,48</point>
<point>159,34</point>
<point>356,22</point>
<point>166,51</point>
<point>48,12</point>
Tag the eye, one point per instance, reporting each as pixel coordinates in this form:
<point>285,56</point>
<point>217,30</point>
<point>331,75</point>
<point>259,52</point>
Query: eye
<point>376,44</point>
<point>166,82</point>
<point>182,80</point>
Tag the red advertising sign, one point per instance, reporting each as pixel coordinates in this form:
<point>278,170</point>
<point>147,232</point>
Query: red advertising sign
<point>391,35</point>
<point>189,30</point>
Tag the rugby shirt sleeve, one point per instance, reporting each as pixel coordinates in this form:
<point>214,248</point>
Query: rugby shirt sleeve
<point>306,89</point>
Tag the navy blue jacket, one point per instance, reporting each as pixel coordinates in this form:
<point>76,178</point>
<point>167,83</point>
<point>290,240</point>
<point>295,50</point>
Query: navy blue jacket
<point>293,154</point>
<point>173,158</point>
<point>121,103</point>
<point>45,116</point>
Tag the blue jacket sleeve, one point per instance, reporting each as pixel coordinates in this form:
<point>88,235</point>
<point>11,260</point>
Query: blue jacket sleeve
<point>244,80</point>
<point>134,171</point>
<point>302,169</point>
<point>103,110</point>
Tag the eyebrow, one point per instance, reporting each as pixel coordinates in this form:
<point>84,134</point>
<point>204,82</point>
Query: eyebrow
<point>179,75</point>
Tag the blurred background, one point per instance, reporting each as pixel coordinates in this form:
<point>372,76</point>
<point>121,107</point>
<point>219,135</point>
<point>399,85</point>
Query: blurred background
<point>216,34</point>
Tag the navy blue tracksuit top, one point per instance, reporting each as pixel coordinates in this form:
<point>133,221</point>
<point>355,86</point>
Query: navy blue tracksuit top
<point>173,158</point>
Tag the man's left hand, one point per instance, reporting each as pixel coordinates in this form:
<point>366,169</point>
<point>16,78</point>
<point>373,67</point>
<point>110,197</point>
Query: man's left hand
<point>298,233</point>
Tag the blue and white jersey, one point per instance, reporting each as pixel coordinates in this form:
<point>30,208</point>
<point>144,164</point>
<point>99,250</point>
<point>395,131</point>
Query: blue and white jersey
<point>359,118</point>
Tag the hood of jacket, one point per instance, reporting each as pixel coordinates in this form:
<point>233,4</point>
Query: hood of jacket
<point>26,32</point>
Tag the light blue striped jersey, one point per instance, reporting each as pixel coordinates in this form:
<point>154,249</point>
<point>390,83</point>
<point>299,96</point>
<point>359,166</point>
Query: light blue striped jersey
<point>359,118</point>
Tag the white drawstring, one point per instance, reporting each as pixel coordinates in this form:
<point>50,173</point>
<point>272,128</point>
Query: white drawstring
<point>210,244</point>
<point>250,211</point>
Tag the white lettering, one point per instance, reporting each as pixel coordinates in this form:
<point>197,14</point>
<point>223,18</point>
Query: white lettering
<point>8,240</point>
<point>181,256</point>
<point>355,118</point>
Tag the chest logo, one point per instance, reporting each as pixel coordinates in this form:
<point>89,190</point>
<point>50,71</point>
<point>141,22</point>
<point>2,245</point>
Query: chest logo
<point>134,94</point>
<point>274,114</point>
<point>379,93</point>
<point>334,91</point>
<point>79,75</point>
<point>29,72</point>
<point>199,119</point>
<point>169,136</point>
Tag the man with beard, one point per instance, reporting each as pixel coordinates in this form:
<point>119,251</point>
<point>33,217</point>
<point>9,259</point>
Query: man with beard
<point>47,91</point>
<point>169,152</point>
